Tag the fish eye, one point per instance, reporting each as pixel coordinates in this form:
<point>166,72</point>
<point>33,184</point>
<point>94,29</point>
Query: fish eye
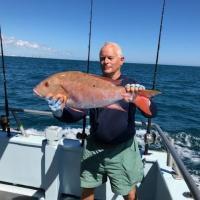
<point>46,84</point>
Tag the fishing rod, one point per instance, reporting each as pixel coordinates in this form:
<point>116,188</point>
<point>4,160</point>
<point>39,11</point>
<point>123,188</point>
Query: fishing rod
<point>5,89</point>
<point>90,34</point>
<point>154,76</point>
<point>158,48</point>
<point>83,135</point>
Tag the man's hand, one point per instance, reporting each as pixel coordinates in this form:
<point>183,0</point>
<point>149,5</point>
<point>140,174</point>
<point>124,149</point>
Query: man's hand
<point>62,98</point>
<point>56,107</point>
<point>56,104</point>
<point>132,90</point>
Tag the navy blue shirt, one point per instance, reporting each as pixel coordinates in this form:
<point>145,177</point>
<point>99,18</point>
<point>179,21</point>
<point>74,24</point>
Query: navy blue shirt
<point>110,126</point>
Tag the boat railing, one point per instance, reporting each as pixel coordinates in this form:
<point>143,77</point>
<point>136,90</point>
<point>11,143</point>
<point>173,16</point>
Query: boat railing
<point>184,172</point>
<point>195,192</point>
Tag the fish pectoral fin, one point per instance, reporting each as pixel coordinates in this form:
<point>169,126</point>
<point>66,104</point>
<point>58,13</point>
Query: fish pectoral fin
<point>115,106</point>
<point>77,110</point>
<point>148,93</point>
<point>65,99</point>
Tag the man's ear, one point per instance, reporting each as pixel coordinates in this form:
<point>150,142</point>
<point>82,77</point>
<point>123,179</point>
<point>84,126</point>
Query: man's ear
<point>122,59</point>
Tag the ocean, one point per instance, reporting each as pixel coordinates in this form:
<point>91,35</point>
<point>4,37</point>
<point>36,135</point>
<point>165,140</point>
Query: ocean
<point>178,105</point>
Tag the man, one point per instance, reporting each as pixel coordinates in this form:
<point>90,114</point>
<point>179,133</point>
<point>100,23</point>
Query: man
<point>111,151</point>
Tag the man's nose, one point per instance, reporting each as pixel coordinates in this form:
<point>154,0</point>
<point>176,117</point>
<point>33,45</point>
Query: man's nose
<point>106,60</point>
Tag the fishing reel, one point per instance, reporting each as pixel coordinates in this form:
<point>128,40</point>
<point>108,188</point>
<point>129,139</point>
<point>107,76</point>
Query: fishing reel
<point>4,122</point>
<point>150,138</point>
<point>81,136</point>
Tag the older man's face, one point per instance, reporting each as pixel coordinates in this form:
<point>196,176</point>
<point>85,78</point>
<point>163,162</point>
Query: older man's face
<point>110,60</point>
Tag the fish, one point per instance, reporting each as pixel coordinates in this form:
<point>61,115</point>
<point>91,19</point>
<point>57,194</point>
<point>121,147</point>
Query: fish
<point>84,91</point>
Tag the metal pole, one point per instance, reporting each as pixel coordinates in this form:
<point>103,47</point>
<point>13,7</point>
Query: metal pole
<point>35,112</point>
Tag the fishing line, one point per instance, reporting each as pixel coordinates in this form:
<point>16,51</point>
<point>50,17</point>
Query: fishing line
<point>5,88</point>
<point>155,73</point>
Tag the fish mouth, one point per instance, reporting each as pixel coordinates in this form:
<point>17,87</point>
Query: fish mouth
<point>35,91</point>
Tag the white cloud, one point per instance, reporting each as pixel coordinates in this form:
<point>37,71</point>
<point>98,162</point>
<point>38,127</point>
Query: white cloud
<point>27,44</point>
<point>21,43</point>
<point>21,47</point>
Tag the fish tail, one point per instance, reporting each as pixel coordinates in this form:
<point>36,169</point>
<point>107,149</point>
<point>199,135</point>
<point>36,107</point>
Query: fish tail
<point>143,103</point>
<point>148,93</point>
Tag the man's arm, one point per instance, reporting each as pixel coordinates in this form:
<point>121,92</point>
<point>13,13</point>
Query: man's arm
<point>71,115</point>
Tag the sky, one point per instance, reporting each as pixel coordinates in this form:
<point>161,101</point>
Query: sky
<point>60,29</point>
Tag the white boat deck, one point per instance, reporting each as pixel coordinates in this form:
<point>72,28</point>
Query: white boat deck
<point>177,187</point>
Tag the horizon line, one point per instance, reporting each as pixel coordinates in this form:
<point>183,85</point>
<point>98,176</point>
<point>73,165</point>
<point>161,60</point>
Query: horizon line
<point>128,62</point>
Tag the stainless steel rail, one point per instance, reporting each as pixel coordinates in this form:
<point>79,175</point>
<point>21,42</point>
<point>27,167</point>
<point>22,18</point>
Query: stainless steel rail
<point>187,177</point>
<point>30,111</point>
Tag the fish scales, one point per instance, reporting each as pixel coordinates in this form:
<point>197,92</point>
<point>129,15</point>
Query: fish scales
<point>88,91</point>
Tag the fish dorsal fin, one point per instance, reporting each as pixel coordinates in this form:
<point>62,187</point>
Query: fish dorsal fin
<point>115,82</point>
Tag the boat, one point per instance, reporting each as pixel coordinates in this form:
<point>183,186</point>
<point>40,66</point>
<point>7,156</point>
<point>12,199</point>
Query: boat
<point>46,166</point>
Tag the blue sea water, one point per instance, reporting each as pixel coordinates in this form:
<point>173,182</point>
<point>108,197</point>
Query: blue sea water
<point>178,105</point>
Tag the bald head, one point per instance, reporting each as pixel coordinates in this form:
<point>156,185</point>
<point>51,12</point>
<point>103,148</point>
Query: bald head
<point>114,46</point>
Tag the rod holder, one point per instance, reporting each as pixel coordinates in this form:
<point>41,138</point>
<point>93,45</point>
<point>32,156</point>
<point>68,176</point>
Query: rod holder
<point>53,134</point>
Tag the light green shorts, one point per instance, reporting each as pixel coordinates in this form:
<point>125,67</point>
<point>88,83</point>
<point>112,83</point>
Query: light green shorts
<point>121,163</point>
